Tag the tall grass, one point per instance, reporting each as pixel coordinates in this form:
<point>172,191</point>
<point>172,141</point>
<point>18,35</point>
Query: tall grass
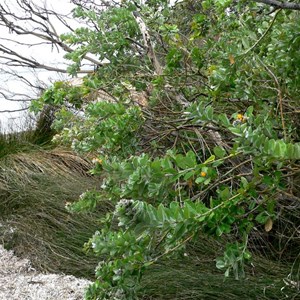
<point>196,277</point>
<point>35,132</point>
<point>34,188</point>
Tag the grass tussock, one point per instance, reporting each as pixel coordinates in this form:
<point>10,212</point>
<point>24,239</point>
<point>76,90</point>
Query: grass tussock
<point>37,133</point>
<point>196,277</point>
<point>34,188</point>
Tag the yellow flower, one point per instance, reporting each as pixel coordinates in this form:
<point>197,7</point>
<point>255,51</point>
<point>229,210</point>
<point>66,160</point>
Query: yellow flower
<point>203,174</point>
<point>240,117</point>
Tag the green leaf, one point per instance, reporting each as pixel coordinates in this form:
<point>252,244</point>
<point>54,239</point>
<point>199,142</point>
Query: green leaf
<point>290,149</point>
<point>186,212</point>
<point>224,120</point>
<point>175,211</point>
<point>227,272</point>
<point>210,159</point>
<point>161,215</point>
<point>186,162</point>
<point>191,207</point>
<point>209,113</point>
<point>179,231</point>
<point>262,217</point>
<point>277,149</point>
<point>236,131</point>
<point>188,175</point>
<point>244,182</point>
<point>297,151</point>
<point>247,255</point>
<point>224,194</point>
<point>219,231</point>
<point>217,163</point>
<point>200,179</point>
<point>249,111</point>
<point>271,146</point>
<point>191,159</point>
<point>219,151</point>
<point>207,181</point>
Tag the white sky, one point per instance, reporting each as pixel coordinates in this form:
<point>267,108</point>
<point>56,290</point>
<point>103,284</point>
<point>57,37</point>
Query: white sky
<point>42,53</point>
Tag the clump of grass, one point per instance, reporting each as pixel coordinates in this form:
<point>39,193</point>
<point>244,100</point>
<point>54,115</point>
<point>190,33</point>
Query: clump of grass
<point>34,188</point>
<point>195,277</point>
<point>36,133</point>
<point>15,142</point>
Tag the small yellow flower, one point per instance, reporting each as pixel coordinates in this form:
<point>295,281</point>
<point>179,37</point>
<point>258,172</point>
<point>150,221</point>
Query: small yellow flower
<point>240,117</point>
<point>203,174</point>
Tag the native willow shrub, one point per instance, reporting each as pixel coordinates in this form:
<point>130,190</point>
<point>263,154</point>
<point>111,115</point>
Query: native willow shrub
<point>211,152</point>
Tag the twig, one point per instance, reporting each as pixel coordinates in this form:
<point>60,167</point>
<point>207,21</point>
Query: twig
<point>265,33</point>
<point>13,110</point>
<point>279,96</point>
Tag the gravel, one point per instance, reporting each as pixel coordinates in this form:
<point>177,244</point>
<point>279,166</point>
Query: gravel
<point>19,281</point>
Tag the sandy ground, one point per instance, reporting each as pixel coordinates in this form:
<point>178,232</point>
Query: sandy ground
<point>19,281</point>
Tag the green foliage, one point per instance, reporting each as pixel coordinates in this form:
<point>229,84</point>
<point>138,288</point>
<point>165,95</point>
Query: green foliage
<point>106,127</point>
<point>212,150</point>
<point>234,258</point>
<point>60,93</point>
<point>158,180</point>
<point>253,134</point>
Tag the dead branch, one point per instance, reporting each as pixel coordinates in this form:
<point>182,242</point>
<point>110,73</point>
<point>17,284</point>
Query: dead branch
<point>30,20</point>
<point>278,4</point>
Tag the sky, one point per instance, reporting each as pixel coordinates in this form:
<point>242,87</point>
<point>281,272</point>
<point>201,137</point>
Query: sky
<point>44,53</point>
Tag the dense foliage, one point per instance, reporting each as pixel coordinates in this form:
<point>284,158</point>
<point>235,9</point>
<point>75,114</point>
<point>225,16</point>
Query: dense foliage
<point>212,148</point>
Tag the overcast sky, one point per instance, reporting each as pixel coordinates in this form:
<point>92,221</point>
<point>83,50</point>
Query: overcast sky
<point>43,53</point>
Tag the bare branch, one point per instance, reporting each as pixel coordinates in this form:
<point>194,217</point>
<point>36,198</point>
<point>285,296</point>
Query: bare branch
<point>14,110</point>
<point>7,98</point>
<point>279,4</point>
<point>34,21</point>
<point>29,26</point>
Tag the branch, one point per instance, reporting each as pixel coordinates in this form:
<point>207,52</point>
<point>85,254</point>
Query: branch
<point>7,98</point>
<point>147,42</point>
<point>278,4</point>
<point>263,35</point>
<point>33,21</point>
<point>13,110</point>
